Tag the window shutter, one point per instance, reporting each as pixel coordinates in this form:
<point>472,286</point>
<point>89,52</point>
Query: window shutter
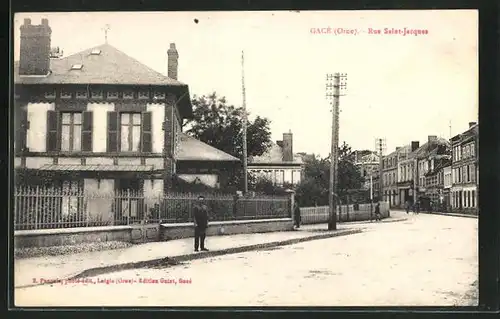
<point>112,140</point>
<point>146,140</point>
<point>21,129</point>
<point>52,129</point>
<point>87,125</point>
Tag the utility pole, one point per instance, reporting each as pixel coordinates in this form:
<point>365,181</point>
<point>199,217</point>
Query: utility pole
<point>245,156</point>
<point>371,196</point>
<point>380,146</point>
<point>334,85</point>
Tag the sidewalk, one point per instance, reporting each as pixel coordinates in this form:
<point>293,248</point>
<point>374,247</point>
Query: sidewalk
<point>52,268</point>
<point>94,263</point>
<point>395,216</point>
<point>445,214</point>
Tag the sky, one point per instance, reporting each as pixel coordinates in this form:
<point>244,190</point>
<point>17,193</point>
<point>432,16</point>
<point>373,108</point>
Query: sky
<point>401,88</point>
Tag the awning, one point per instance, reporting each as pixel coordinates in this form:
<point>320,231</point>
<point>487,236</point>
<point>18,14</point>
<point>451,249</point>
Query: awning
<point>97,168</point>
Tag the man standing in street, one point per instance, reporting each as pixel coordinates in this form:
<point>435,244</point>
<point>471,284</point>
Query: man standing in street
<point>378,216</point>
<point>200,224</point>
<point>296,214</point>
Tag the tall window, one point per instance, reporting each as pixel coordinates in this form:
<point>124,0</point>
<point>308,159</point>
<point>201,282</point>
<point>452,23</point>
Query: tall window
<point>71,133</point>
<point>130,132</point>
<point>473,197</point>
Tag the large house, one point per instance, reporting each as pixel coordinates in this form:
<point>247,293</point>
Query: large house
<point>406,172</point>
<point>431,159</point>
<point>465,170</point>
<point>390,175</point>
<point>279,164</point>
<point>100,121</point>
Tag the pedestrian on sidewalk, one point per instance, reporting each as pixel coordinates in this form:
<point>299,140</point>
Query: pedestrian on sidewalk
<point>417,207</point>
<point>378,216</point>
<point>407,206</point>
<point>296,214</point>
<point>200,223</point>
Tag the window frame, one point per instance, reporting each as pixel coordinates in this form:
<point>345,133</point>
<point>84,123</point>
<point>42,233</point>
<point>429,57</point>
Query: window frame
<point>71,126</point>
<point>130,137</point>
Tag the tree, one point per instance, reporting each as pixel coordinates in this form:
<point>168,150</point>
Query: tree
<point>315,184</point>
<point>221,126</point>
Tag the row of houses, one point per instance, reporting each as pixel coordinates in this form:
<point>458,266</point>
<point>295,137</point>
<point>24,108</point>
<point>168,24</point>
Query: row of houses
<point>441,174</point>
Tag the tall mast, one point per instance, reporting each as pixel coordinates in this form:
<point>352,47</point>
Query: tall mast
<point>245,156</point>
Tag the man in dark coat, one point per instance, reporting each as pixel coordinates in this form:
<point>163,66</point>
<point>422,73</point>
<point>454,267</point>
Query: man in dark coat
<point>200,224</point>
<point>296,214</point>
<point>378,216</point>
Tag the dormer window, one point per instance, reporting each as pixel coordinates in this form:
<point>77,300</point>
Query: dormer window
<point>81,94</point>
<point>112,95</point>
<point>143,95</point>
<point>50,94</point>
<point>65,95</point>
<point>96,52</point>
<point>159,95</point>
<point>128,95</point>
<point>76,66</point>
<point>96,94</point>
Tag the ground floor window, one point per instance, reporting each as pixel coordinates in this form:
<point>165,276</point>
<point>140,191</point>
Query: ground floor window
<point>473,198</point>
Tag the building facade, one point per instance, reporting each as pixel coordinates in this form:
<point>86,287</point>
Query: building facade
<point>390,175</point>
<point>465,170</point>
<point>406,171</point>
<point>279,164</point>
<point>101,122</point>
<point>431,158</point>
<point>447,187</point>
<point>368,164</point>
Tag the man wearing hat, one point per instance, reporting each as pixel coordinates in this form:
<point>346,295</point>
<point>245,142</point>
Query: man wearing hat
<point>200,223</point>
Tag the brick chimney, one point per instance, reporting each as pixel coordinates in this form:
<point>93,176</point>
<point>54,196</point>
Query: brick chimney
<point>35,48</point>
<point>432,138</point>
<point>471,124</point>
<point>173,61</point>
<point>287,147</point>
<point>415,145</point>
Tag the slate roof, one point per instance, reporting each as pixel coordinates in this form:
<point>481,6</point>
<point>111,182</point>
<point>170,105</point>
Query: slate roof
<point>430,148</point>
<point>191,149</point>
<point>111,66</point>
<point>274,155</point>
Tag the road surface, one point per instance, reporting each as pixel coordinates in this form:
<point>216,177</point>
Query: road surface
<point>428,260</point>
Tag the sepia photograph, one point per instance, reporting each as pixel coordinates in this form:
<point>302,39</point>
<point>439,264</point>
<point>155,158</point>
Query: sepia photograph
<point>259,158</point>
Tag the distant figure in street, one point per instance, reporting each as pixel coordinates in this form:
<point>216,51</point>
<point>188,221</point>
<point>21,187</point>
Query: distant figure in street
<point>200,224</point>
<point>378,216</point>
<point>417,207</point>
<point>407,206</point>
<point>296,214</point>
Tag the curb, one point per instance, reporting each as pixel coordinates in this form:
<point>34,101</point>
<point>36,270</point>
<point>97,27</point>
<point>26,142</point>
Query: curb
<point>451,215</point>
<point>366,222</point>
<point>394,220</point>
<point>187,257</point>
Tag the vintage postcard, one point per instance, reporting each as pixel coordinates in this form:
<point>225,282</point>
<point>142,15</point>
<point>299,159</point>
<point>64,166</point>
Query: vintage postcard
<point>246,158</point>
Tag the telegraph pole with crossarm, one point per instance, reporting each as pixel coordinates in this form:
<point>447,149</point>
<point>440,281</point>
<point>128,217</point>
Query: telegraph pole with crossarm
<point>335,87</point>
